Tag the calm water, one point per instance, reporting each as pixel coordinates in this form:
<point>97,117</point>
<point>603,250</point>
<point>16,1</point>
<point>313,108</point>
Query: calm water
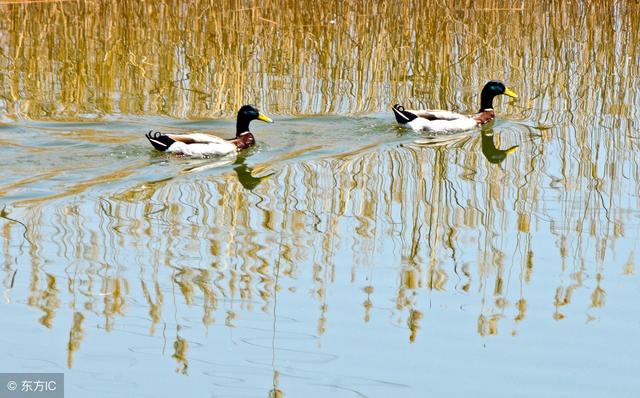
<point>342,256</point>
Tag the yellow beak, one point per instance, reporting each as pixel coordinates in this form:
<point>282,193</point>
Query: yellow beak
<point>511,150</point>
<point>510,93</point>
<point>264,118</point>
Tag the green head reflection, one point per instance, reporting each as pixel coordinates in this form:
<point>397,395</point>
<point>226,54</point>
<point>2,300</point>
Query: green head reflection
<point>489,149</point>
<point>245,175</point>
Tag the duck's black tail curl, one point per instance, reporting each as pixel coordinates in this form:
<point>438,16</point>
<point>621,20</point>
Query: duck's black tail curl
<point>159,141</point>
<point>402,115</point>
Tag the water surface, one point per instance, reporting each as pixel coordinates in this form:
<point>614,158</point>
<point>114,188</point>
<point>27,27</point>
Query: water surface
<point>342,255</point>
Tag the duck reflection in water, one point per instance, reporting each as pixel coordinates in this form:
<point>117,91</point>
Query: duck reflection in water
<point>244,172</point>
<point>489,149</point>
<point>245,175</point>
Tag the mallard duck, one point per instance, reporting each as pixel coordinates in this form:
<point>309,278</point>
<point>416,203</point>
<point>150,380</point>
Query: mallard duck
<point>446,121</point>
<point>206,145</point>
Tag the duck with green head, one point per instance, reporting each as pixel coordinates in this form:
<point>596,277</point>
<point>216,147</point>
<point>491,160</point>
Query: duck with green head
<point>207,145</point>
<point>449,122</point>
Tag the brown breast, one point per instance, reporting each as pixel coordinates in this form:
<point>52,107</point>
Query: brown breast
<point>484,116</point>
<point>245,140</point>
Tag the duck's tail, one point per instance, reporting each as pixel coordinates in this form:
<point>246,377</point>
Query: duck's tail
<point>402,115</point>
<point>159,141</point>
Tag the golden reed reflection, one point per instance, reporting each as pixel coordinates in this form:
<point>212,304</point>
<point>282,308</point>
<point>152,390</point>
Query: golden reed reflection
<point>216,241</point>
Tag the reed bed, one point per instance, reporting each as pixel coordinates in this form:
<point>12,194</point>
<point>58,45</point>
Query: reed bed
<point>203,59</point>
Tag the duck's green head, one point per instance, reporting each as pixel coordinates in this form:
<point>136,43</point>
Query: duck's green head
<point>250,112</point>
<point>492,89</point>
<point>246,114</point>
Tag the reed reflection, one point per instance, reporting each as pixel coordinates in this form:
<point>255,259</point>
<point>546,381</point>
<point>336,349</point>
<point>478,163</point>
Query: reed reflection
<point>215,240</point>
